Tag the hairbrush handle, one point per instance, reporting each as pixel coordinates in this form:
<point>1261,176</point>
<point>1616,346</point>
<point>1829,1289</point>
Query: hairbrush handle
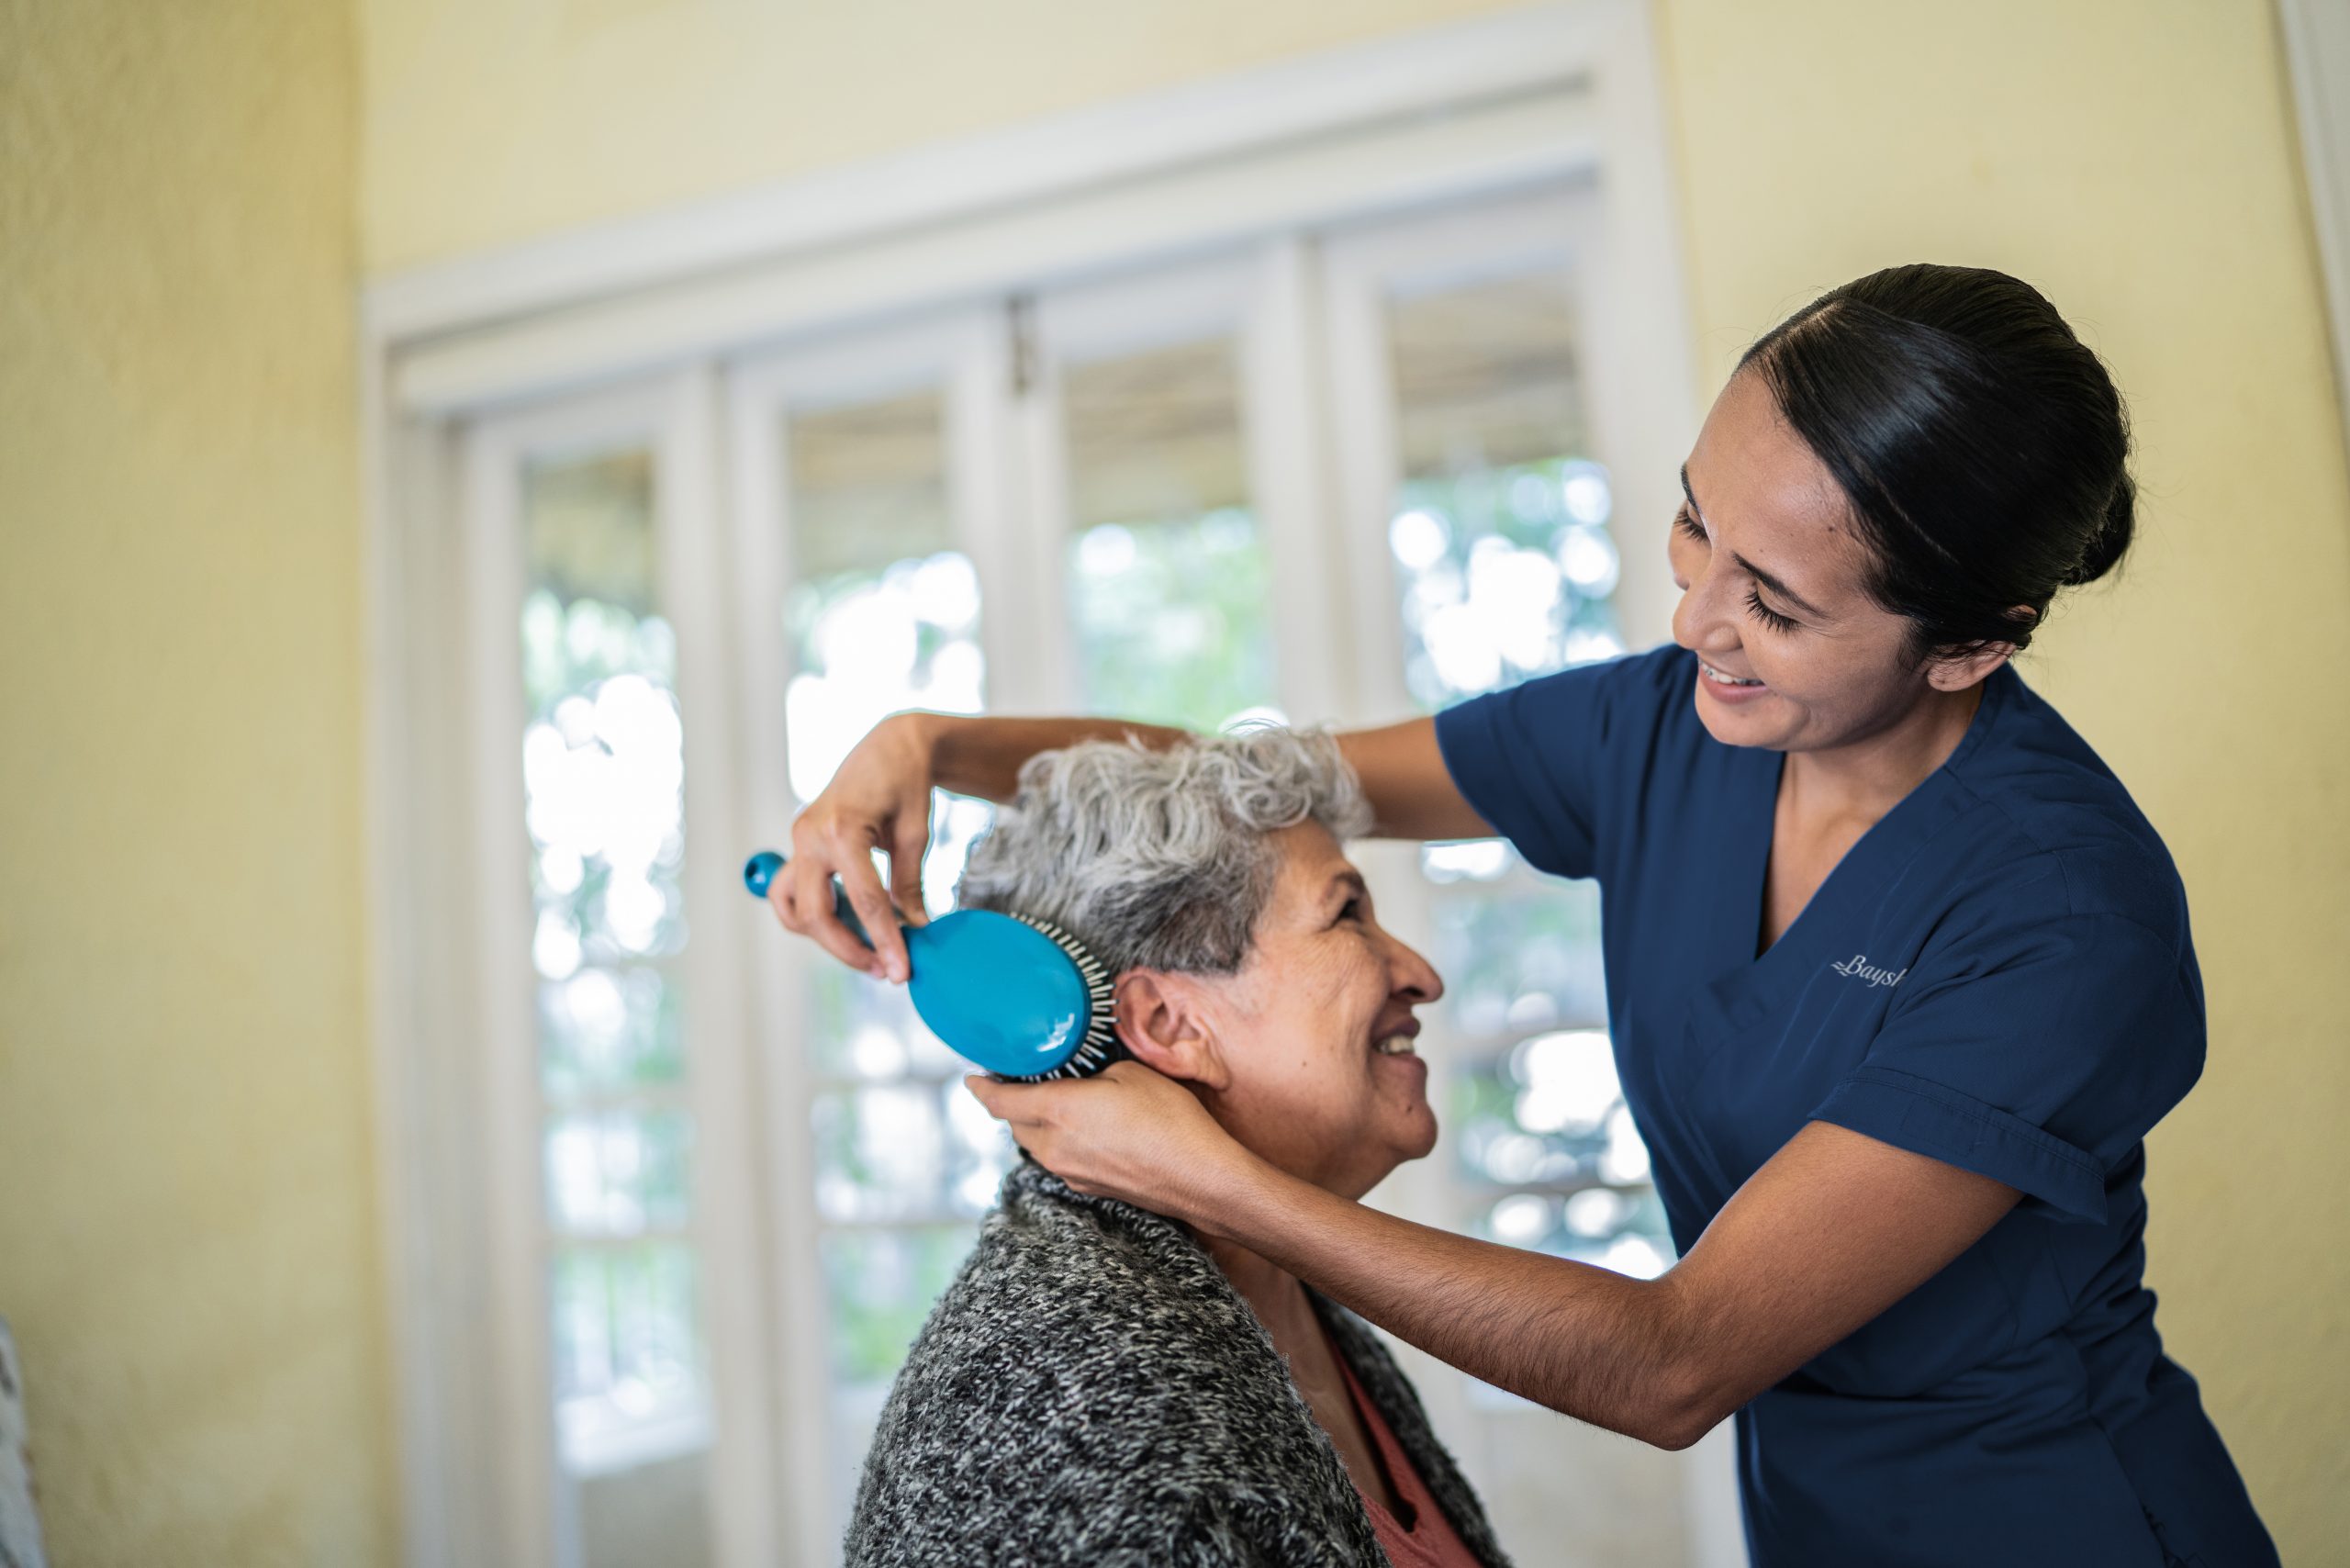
<point>759,873</point>
<point>1017,996</point>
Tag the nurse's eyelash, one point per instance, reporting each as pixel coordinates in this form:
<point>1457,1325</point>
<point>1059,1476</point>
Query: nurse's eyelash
<point>1768,616</point>
<point>1762,612</point>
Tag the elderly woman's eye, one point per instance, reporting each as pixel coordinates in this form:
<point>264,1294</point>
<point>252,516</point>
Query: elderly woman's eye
<point>1353,910</point>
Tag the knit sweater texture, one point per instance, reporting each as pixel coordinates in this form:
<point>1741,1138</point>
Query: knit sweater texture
<point>1091,1390</point>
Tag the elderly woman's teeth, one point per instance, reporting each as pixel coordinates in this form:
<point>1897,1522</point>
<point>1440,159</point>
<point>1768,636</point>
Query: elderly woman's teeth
<point>1397,1046</point>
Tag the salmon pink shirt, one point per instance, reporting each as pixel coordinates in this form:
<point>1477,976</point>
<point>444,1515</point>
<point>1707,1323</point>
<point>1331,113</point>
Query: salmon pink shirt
<point>1423,1538</point>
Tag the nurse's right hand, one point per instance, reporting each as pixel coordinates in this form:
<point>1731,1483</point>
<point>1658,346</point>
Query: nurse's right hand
<point>879,798</point>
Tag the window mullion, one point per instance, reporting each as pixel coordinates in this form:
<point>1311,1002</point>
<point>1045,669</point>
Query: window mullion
<point>1359,386</point>
<point>1287,434</point>
<point>693,566</point>
<point>515,1195</point>
<point>1003,501</point>
<point>758,464</point>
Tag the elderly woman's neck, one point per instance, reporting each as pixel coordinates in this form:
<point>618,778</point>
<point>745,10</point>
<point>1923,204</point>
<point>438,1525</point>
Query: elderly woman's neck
<point>1273,1293</point>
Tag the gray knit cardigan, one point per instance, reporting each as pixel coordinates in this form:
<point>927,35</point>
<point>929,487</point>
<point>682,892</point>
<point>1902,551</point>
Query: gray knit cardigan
<point>1091,1390</point>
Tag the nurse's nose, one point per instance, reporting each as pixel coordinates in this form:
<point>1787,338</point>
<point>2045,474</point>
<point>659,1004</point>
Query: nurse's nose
<point>1705,617</point>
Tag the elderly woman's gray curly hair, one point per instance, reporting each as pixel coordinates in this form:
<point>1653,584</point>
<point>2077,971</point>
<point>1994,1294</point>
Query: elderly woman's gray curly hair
<point>1160,859</point>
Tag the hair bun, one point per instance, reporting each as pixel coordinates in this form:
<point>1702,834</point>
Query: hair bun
<point>2113,538</point>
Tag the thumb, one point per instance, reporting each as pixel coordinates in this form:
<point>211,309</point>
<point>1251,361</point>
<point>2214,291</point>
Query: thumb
<point>1004,1100</point>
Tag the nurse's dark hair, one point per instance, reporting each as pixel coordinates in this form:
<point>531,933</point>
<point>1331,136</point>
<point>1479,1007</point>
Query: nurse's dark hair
<point>1981,444</point>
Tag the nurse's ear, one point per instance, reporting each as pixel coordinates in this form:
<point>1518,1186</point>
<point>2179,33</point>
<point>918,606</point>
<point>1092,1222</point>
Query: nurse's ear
<point>1958,674</point>
<point>1162,1019</point>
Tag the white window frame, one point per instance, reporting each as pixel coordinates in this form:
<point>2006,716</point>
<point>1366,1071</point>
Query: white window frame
<point>652,324</point>
<point>2317,55</point>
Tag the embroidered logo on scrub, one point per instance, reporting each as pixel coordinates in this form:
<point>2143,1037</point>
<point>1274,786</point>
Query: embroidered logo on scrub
<point>1859,968</point>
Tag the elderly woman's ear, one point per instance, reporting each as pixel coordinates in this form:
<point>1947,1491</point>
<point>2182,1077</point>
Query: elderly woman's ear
<point>1161,1022</point>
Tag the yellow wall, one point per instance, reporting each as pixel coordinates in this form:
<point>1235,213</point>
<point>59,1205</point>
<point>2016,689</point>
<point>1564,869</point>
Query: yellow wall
<point>187,1237</point>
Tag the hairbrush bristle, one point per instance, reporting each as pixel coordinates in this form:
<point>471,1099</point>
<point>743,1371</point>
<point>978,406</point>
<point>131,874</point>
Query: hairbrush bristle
<point>1099,1046</point>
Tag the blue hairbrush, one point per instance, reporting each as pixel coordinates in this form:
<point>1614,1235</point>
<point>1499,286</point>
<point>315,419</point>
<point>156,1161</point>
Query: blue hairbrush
<point>1019,997</point>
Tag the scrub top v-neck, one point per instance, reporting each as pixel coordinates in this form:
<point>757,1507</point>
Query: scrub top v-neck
<point>1999,974</point>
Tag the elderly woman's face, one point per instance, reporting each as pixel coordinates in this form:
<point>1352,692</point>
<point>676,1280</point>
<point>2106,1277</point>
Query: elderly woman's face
<point>1297,1073</point>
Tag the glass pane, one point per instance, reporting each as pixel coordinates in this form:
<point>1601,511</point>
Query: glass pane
<point>629,1382</point>
<point>1168,580</point>
<point>879,1285</point>
<point>619,1172</point>
<point>1506,569</point>
<point>607,1030</point>
<point>1548,1117</point>
<point>1499,533</point>
<point>865,1030</point>
<point>1520,958</point>
<point>884,610</point>
<point>907,1150</point>
<point>603,759</point>
<point>883,615</point>
<point>603,773</point>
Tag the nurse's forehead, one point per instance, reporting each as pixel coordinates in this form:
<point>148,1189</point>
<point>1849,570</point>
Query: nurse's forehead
<point>1765,494</point>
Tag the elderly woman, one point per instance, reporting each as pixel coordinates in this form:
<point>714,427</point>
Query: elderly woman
<point>1099,1384</point>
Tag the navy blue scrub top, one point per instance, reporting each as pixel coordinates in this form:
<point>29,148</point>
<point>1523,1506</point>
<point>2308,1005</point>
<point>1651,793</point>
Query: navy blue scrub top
<point>1999,974</point>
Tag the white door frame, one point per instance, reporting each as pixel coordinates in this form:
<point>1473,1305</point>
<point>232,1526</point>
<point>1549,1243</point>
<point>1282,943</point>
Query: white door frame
<point>674,419</point>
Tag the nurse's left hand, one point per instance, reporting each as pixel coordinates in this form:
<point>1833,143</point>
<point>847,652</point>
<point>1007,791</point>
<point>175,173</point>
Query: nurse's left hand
<point>1129,1132</point>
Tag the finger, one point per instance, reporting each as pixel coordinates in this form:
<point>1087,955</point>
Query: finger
<point>906,848</point>
<point>872,905</point>
<point>811,905</point>
<point>831,934</point>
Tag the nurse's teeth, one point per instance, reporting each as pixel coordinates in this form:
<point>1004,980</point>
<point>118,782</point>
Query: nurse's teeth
<point>1720,679</point>
<point>1396,1046</point>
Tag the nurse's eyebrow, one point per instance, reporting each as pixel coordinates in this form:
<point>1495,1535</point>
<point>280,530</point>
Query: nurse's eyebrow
<point>1766,578</point>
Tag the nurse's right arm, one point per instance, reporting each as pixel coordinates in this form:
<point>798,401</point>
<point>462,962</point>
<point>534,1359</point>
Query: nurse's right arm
<point>879,798</point>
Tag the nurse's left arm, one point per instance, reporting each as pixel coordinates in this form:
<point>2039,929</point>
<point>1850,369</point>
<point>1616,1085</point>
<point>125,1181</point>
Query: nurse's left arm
<point>1833,1230</point>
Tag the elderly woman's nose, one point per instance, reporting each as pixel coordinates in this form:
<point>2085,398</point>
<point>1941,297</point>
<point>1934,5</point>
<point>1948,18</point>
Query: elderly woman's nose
<point>1411,974</point>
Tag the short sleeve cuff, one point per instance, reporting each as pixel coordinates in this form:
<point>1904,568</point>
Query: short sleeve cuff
<point>1492,780</point>
<point>1932,1119</point>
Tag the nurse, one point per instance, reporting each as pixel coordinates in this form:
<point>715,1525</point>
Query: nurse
<point>1898,975</point>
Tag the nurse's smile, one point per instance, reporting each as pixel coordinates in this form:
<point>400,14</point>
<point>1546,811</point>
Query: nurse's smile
<point>1726,689</point>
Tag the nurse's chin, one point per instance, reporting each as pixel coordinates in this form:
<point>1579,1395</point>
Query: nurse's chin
<point>1752,724</point>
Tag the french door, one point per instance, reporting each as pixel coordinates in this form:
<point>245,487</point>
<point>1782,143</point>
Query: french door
<point>1336,475</point>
